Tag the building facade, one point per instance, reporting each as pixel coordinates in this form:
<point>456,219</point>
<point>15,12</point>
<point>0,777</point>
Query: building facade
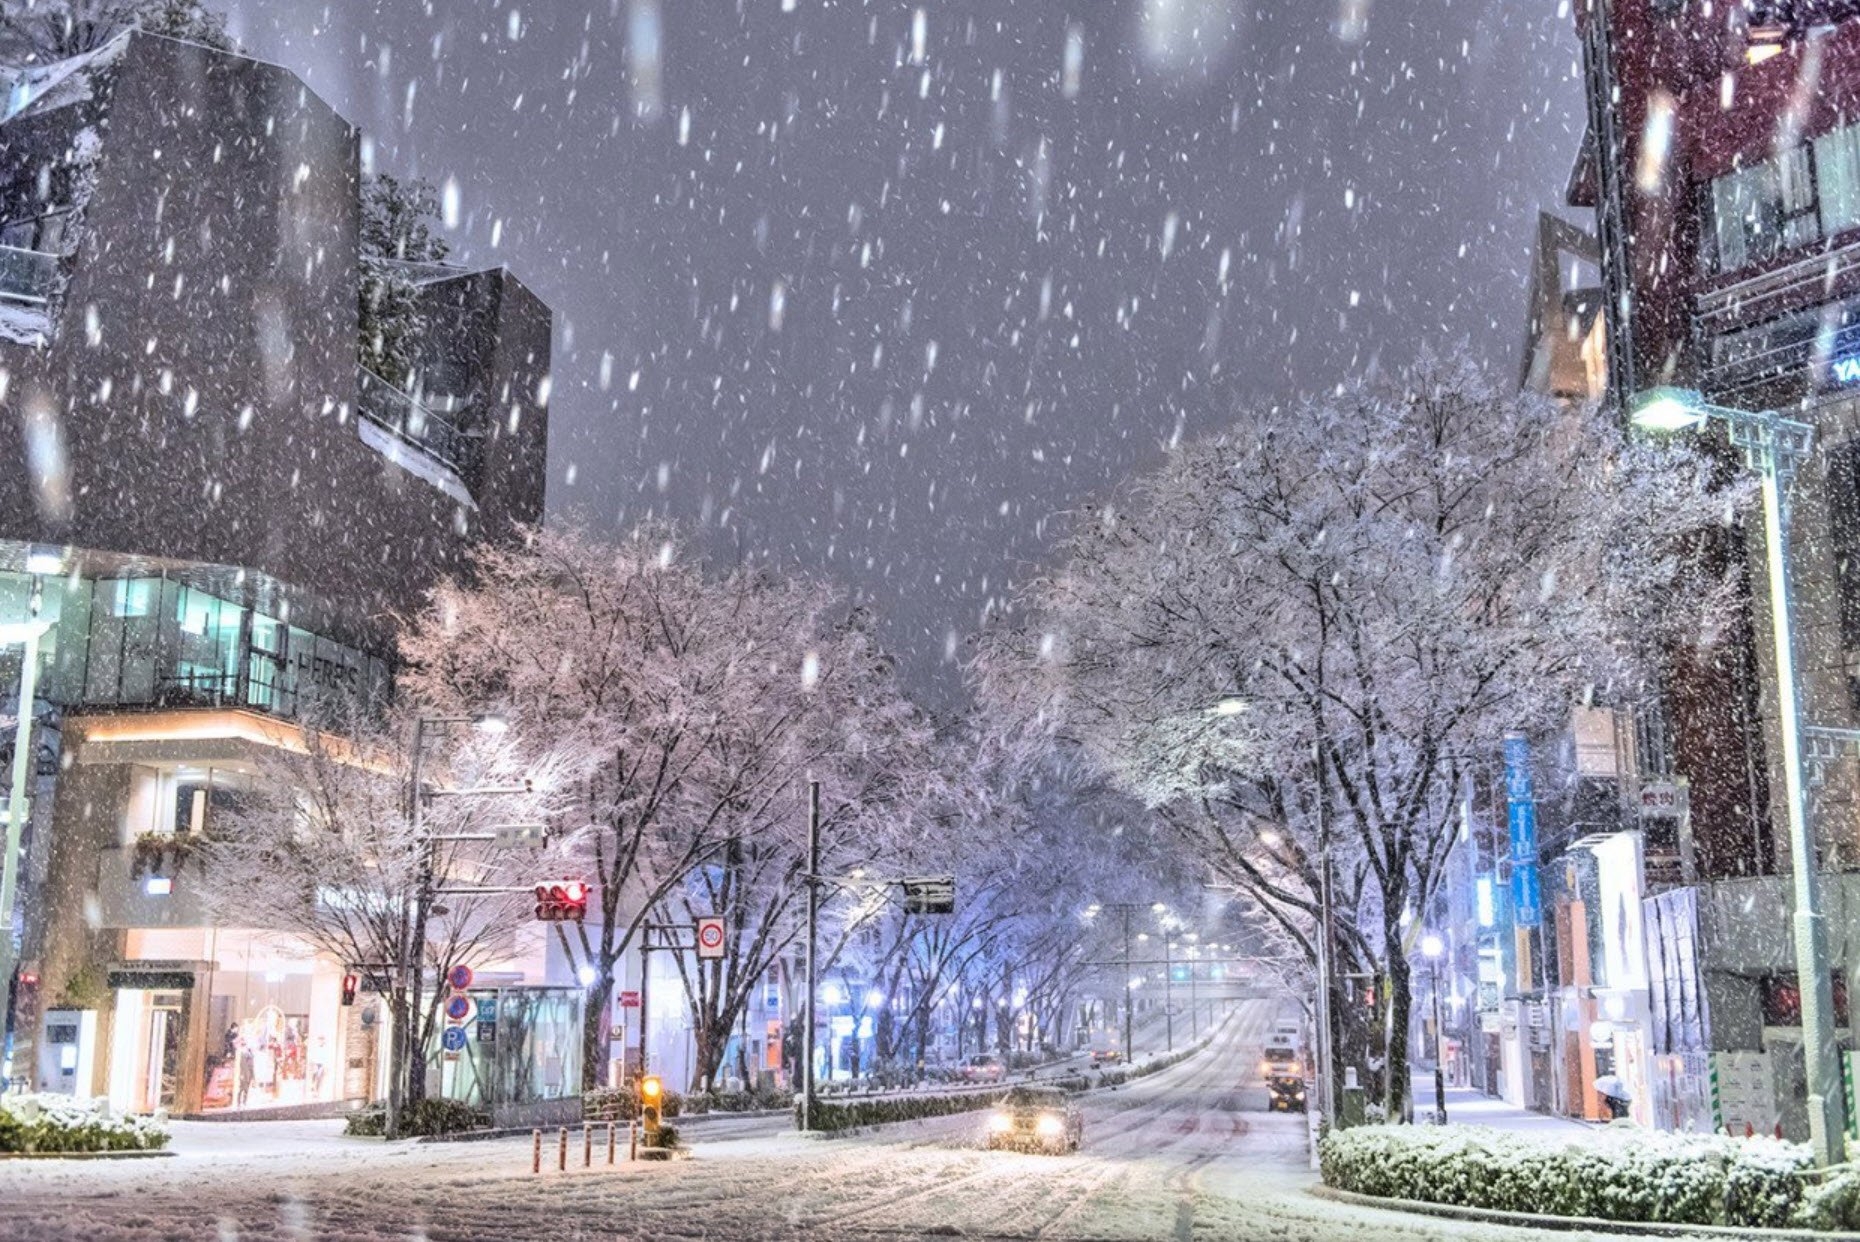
<point>1722,168</point>
<point>217,511</point>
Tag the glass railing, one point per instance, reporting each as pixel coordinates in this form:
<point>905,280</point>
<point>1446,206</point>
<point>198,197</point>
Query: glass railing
<point>393,410</point>
<point>29,276</point>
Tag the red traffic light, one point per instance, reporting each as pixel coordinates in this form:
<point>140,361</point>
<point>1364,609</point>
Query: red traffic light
<point>350,985</point>
<point>560,901</point>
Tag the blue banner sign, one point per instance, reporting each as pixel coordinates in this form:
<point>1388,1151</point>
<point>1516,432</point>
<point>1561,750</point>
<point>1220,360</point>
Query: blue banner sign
<point>1521,816</point>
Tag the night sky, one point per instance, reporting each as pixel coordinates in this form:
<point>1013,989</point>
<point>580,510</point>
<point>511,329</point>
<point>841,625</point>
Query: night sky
<point>880,289</point>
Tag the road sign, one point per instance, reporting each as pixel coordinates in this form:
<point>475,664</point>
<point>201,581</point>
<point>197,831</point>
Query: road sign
<point>458,1008</point>
<point>454,1039</point>
<point>629,1000</point>
<point>515,836</point>
<point>710,937</point>
<point>459,977</point>
<point>933,895</point>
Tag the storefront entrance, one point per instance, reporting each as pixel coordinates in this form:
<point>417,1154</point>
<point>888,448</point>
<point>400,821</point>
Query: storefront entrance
<point>149,1040</point>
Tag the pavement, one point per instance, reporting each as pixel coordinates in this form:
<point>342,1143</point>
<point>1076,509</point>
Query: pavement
<point>1186,1155</point>
<point>1471,1107</point>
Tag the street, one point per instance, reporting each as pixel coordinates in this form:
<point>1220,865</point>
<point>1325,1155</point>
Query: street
<point>1190,1153</point>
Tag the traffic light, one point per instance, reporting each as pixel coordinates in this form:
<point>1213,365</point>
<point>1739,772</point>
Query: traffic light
<point>651,1100</point>
<point>350,983</point>
<point>561,901</point>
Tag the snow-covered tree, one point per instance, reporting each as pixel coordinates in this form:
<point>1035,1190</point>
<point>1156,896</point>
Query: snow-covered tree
<point>41,31</point>
<point>323,847</point>
<point>688,710</point>
<point>835,715</point>
<point>398,225</point>
<point>1338,606</point>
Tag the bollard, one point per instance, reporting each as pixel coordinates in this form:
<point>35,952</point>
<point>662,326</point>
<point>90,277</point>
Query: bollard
<point>561,1155</point>
<point>536,1151</point>
<point>587,1146</point>
<point>610,1142</point>
<point>632,1141</point>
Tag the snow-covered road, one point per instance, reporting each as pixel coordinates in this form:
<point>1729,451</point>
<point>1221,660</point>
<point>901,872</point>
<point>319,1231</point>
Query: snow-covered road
<point>1187,1154</point>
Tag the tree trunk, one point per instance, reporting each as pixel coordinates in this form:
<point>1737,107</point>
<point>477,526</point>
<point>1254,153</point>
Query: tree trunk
<point>599,1001</point>
<point>1397,1090</point>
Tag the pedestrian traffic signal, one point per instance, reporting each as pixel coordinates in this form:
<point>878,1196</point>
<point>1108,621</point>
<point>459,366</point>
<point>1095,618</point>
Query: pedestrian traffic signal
<point>651,1101</point>
<point>561,901</point>
<point>350,984</point>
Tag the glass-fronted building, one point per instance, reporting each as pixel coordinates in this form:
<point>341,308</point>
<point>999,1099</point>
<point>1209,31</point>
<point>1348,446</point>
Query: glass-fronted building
<point>163,640</point>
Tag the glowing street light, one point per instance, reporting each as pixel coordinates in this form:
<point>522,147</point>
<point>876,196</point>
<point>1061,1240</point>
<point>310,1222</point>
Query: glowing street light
<point>1774,447</point>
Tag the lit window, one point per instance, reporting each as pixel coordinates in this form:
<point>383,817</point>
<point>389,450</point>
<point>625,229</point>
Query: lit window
<point>1760,211</point>
<point>1837,173</point>
<point>131,597</point>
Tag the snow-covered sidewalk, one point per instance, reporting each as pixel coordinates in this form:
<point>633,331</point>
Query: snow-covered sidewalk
<point>1469,1107</point>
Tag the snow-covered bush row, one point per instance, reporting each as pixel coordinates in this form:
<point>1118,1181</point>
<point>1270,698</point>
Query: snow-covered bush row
<point>62,1123</point>
<point>423,1117</point>
<point>1618,1174</point>
<point>869,1112</point>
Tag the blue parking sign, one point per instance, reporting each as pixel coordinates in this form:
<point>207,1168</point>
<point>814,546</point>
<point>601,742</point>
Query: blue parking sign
<point>454,1039</point>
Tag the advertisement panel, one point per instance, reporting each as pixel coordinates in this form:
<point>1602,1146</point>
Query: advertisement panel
<point>1521,816</point>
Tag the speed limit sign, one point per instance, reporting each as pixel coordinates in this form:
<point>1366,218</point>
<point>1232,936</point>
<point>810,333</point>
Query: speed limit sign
<point>710,937</point>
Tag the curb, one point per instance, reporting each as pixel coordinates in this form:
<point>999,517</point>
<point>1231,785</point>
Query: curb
<point>139,1154</point>
<point>1571,1224</point>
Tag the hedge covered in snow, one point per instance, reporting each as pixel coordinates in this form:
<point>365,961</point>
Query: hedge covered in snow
<point>834,1115</point>
<point>45,1124</point>
<point>1614,1174</point>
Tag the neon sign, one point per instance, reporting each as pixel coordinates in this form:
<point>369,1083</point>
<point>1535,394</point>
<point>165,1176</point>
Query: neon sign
<point>1847,370</point>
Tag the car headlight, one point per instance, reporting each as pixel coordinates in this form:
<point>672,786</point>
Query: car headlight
<point>1000,1123</point>
<point>1049,1126</point>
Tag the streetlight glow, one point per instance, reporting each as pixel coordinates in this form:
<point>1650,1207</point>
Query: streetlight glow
<point>1668,409</point>
<point>1432,945</point>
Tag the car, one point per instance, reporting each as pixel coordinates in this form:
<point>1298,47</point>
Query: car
<point>1106,1056</point>
<point>983,1068</point>
<point>1280,1060</point>
<point>1285,1095</point>
<point>1036,1119</point>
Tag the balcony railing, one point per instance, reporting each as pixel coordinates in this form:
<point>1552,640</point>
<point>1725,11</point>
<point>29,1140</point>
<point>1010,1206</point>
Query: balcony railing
<point>409,421</point>
<point>1766,329</point>
<point>1810,280</point>
<point>28,276</point>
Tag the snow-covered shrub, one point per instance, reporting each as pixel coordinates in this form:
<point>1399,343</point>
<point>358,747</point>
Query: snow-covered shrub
<point>831,1117</point>
<point>1626,1175</point>
<point>750,1101</point>
<point>1766,1182</point>
<point>1835,1204</point>
<point>429,1116</point>
<point>622,1104</point>
<point>63,1123</point>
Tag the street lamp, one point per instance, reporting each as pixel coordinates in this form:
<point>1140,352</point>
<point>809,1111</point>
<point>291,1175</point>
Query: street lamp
<point>1774,447</point>
<point>1432,946</point>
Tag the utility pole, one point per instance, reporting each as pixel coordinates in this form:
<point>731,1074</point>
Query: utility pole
<point>1326,949</point>
<point>813,936</point>
<point>1127,1047</point>
<point>1168,992</point>
<point>645,982</point>
<point>1194,1003</point>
